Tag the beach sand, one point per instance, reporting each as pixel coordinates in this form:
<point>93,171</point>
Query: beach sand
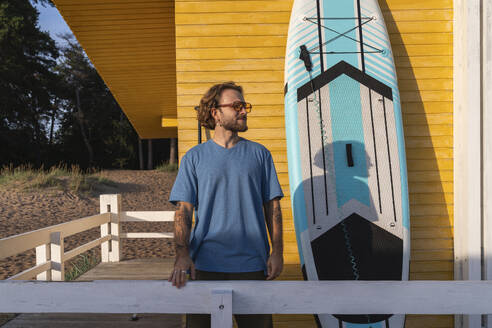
<point>23,211</point>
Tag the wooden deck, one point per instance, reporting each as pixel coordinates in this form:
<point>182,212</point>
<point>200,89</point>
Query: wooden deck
<point>140,269</point>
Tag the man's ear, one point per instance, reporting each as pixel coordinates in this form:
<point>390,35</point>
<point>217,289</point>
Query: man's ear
<point>213,112</point>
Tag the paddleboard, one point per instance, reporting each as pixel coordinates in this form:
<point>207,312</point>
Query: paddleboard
<point>345,146</point>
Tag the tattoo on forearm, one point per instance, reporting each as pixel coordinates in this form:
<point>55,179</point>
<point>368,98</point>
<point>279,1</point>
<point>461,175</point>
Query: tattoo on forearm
<point>274,223</point>
<point>182,228</point>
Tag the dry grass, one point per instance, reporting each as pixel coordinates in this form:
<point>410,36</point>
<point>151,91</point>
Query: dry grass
<point>166,167</point>
<point>60,177</point>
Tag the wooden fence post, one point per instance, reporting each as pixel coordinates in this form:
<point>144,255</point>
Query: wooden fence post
<point>43,254</point>
<point>221,314</point>
<point>56,250</point>
<point>110,251</point>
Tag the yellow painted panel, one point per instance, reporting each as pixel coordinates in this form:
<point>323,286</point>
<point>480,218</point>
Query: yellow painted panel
<point>421,38</point>
<point>231,41</point>
<point>435,198</point>
<point>431,221</point>
<point>423,61</point>
<point>79,18</point>
<point>169,122</point>
<point>429,187</point>
<point>229,64</point>
<point>447,275</point>
<point>440,232</point>
<point>434,209</point>
<point>433,243</point>
<point>233,18</point>
<point>432,164</point>
<point>443,118</point>
<point>233,29</point>
<point>431,266</point>
<point>423,50</point>
<point>436,321</point>
<point>420,26</point>
<point>429,153</point>
<point>418,15</point>
<point>248,88</point>
<point>432,255</point>
<point>430,84</point>
<point>415,4</point>
<point>427,107</point>
<point>416,96</point>
<point>232,6</point>
<point>427,130</point>
<point>238,76</point>
<point>235,53</point>
<point>431,176</point>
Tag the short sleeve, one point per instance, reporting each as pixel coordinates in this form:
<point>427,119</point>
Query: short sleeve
<point>271,186</point>
<point>185,187</point>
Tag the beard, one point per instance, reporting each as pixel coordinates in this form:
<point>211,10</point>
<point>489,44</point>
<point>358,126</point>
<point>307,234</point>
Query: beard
<point>235,126</point>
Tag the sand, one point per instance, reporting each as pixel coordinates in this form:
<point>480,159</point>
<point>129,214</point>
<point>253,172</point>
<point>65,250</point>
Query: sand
<point>22,211</point>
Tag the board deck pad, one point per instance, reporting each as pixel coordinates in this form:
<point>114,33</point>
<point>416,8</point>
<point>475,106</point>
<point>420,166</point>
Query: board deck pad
<point>345,149</point>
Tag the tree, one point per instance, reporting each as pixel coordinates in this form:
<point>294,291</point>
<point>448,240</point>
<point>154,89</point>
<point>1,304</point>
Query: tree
<point>28,83</point>
<point>92,120</point>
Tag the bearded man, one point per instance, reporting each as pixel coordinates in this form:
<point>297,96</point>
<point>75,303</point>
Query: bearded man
<point>231,184</point>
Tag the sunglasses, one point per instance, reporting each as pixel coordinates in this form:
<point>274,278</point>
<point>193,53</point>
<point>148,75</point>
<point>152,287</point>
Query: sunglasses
<point>238,105</point>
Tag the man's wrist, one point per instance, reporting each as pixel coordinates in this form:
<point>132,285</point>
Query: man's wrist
<point>182,250</point>
<point>277,252</point>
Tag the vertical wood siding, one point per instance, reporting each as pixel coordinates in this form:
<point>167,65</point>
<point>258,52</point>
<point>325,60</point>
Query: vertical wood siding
<point>245,41</point>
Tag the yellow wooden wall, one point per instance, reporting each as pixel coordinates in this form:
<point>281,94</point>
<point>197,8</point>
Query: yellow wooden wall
<point>245,41</point>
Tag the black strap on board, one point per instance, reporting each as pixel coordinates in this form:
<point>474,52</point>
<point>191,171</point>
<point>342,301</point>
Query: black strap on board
<point>350,159</point>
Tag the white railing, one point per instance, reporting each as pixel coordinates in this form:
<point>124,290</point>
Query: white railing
<point>50,250</point>
<point>222,299</point>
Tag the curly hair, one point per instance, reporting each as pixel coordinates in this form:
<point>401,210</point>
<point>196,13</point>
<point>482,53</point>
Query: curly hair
<point>210,100</point>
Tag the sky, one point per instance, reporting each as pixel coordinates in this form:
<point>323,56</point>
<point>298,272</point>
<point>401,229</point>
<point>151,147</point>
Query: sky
<point>51,21</point>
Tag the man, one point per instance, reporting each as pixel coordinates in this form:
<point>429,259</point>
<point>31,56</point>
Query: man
<point>232,185</point>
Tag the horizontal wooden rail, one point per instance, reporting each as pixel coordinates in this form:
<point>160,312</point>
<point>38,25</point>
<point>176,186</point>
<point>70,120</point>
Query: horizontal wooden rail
<point>295,297</point>
<point>147,216</point>
<point>147,235</point>
<point>83,248</point>
<point>32,272</point>
<point>20,243</point>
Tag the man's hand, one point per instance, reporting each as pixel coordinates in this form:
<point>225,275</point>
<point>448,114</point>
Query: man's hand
<point>275,265</point>
<point>182,264</point>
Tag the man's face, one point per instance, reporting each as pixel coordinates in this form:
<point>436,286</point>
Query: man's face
<point>228,117</point>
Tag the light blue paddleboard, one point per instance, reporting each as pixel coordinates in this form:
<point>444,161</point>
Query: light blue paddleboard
<point>345,145</point>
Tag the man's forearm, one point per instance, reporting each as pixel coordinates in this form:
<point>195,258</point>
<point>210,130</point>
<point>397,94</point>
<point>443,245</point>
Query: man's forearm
<point>182,229</point>
<point>274,224</point>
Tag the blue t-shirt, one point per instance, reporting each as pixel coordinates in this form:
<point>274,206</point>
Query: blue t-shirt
<point>228,188</point>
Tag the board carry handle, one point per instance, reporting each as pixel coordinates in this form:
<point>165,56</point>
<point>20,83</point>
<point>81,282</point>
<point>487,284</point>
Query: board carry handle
<point>350,159</point>
<point>306,58</point>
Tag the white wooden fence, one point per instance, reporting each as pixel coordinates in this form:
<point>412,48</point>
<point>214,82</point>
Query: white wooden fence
<point>221,299</point>
<point>50,251</point>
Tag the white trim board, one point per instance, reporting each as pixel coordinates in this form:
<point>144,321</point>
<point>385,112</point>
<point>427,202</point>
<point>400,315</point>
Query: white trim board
<point>472,113</point>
